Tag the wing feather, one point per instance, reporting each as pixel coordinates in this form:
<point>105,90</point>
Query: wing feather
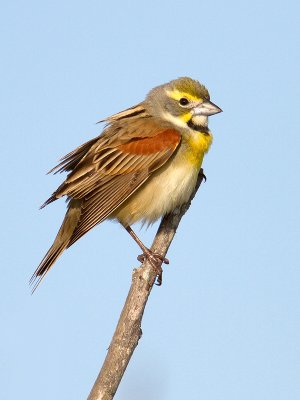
<point>98,206</point>
<point>112,169</point>
<point>70,160</point>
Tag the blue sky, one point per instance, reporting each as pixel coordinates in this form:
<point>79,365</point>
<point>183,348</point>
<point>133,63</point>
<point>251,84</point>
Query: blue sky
<point>225,324</point>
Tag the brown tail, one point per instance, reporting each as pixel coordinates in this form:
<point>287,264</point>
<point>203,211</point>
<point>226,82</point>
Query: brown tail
<point>60,243</point>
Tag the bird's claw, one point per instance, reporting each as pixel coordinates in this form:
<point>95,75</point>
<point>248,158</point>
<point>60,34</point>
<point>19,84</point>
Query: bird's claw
<point>155,260</point>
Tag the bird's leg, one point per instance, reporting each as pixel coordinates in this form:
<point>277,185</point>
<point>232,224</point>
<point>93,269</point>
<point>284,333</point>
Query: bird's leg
<point>155,259</point>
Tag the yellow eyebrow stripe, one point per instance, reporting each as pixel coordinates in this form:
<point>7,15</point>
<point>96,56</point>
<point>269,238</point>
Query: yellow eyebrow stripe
<point>176,95</point>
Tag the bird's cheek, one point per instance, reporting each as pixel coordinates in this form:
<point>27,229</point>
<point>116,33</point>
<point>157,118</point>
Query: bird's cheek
<point>185,117</point>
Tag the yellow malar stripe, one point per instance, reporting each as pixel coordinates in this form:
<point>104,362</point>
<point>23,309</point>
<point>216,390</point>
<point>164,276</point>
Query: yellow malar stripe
<point>185,117</point>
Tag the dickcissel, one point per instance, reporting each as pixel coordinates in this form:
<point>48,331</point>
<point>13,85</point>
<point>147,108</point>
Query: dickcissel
<point>143,165</point>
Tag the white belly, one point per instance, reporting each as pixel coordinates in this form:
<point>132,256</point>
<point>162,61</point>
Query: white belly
<point>166,189</point>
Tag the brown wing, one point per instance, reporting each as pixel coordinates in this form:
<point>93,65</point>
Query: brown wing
<point>122,171</point>
<point>70,160</point>
<point>114,168</point>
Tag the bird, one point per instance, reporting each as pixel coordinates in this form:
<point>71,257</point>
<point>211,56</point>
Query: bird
<point>143,165</point>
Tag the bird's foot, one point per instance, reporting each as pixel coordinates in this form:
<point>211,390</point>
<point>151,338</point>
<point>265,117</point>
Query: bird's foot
<point>155,260</point>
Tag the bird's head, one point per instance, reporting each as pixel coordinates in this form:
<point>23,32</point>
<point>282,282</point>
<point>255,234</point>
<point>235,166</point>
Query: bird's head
<point>184,102</point>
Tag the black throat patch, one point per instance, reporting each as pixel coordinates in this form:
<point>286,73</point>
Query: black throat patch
<point>198,128</point>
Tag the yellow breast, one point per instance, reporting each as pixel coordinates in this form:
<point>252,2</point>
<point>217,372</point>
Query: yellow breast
<point>169,186</point>
<point>197,144</point>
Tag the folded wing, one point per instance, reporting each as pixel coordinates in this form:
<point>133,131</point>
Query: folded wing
<point>112,170</point>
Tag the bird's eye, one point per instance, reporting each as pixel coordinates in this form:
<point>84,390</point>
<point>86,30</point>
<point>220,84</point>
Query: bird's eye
<point>183,101</point>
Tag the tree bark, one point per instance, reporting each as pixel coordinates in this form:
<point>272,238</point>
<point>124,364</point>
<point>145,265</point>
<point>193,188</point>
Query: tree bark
<point>128,330</point>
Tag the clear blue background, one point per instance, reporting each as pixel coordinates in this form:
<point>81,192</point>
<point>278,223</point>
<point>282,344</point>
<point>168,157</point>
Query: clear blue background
<point>225,324</point>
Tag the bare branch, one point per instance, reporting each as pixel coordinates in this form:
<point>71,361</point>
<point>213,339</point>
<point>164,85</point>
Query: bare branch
<point>128,330</point>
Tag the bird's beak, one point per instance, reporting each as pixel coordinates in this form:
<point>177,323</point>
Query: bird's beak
<point>207,108</point>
